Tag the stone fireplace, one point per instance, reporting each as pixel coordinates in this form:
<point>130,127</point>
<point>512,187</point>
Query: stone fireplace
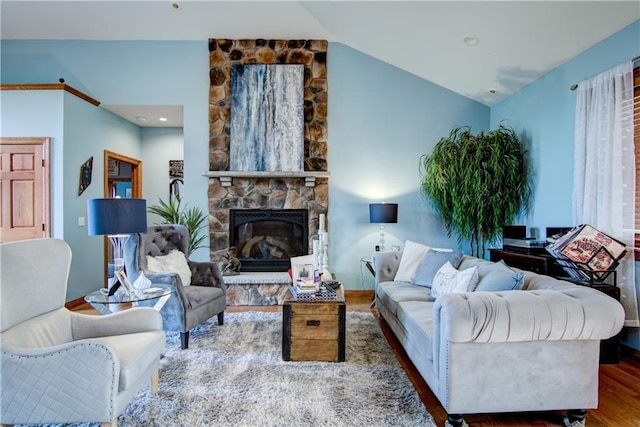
<point>282,190</point>
<point>266,239</point>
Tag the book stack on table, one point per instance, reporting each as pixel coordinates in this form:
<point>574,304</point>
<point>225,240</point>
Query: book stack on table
<point>310,291</point>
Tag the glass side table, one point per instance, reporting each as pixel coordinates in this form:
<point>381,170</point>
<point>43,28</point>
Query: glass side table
<point>104,303</point>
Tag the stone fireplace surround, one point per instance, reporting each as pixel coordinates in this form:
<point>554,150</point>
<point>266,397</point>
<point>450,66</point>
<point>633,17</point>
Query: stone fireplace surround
<point>264,190</point>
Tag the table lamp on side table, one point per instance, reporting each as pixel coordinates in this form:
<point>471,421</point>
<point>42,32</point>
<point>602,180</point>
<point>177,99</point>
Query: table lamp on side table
<point>117,218</point>
<point>383,213</point>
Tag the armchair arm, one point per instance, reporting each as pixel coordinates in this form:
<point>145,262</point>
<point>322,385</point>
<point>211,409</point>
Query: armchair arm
<point>85,373</point>
<point>138,319</point>
<point>206,274</point>
<point>574,313</point>
<point>385,265</point>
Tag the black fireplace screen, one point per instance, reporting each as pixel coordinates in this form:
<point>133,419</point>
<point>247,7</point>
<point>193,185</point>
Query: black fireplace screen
<point>267,239</point>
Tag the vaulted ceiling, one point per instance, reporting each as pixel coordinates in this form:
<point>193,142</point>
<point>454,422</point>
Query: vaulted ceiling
<point>516,41</point>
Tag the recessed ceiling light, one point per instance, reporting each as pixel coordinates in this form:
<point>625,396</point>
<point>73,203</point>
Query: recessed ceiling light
<point>176,6</point>
<point>471,40</point>
<point>141,118</point>
<point>162,119</point>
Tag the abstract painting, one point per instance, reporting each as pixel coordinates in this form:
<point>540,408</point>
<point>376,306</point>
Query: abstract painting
<point>267,122</point>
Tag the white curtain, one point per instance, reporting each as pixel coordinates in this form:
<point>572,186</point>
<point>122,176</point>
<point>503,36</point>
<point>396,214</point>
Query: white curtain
<point>604,168</point>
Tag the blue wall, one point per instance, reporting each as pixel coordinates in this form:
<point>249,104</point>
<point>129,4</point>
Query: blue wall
<point>544,113</point>
<point>78,131</point>
<point>159,145</point>
<point>129,73</point>
<point>381,120</point>
<point>39,113</point>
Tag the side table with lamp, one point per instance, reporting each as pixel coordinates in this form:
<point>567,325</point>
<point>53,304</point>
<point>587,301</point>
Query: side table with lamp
<point>383,213</point>
<point>380,213</point>
<point>117,219</point>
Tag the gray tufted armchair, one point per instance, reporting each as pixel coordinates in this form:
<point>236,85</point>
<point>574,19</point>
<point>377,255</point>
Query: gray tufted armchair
<point>60,366</point>
<point>192,303</point>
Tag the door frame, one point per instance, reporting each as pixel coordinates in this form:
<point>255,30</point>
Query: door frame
<point>136,173</point>
<point>136,192</point>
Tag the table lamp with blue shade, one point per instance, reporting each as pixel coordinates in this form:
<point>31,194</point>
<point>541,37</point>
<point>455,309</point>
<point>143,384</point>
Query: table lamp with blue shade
<point>117,219</point>
<point>383,213</point>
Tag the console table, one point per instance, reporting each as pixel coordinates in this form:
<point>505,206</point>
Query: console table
<point>545,264</point>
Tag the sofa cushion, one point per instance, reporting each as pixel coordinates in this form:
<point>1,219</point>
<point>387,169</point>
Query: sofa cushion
<point>200,295</point>
<point>392,293</point>
<point>449,280</point>
<point>498,276</point>
<point>499,280</point>
<point>411,258</point>
<point>135,352</point>
<point>431,263</point>
<point>174,262</point>
<point>417,319</point>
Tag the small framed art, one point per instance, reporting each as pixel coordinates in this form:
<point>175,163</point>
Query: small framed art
<point>85,175</point>
<point>124,281</point>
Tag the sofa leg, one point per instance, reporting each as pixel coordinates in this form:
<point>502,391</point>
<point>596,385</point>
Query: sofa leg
<point>455,420</point>
<point>184,340</point>
<point>221,318</point>
<point>574,418</point>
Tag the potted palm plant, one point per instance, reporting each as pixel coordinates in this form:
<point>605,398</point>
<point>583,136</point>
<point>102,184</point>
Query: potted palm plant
<point>172,212</point>
<point>477,183</point>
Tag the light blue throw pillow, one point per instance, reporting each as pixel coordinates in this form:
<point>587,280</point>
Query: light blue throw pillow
<point>499,277</point>
<point>431,263</point>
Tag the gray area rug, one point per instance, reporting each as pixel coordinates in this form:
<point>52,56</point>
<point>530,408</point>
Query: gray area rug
<point>234,375</point>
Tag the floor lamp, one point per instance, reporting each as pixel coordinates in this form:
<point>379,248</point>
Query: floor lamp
<point>117,219</point>
<point>383,213</point>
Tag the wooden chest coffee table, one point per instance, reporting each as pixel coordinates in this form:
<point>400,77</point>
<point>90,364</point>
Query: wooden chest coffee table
<point>314,330</point>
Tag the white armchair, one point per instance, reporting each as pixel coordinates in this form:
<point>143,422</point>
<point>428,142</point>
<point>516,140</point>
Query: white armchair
<point>60,366</point>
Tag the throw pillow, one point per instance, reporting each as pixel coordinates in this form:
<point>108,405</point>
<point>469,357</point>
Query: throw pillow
<point>498,276</point>
<point>410,260</point>
<point>174,262</point>
<point>499,280</point>
<point>431,263</point>
<point>449,280</point>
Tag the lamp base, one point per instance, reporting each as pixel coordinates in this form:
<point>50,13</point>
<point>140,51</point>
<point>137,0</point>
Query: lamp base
<point>381,238</point>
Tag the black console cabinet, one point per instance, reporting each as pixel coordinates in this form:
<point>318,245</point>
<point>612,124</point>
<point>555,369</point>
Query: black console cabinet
<point>545,264</point>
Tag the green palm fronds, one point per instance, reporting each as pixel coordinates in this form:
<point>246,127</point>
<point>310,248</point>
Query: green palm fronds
<point>193,218</point>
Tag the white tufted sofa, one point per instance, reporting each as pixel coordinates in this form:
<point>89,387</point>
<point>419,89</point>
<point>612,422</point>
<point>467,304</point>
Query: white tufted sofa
<point>534,349</point>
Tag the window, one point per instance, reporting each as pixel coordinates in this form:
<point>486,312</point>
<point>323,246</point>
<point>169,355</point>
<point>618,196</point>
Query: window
<point>636,139</point>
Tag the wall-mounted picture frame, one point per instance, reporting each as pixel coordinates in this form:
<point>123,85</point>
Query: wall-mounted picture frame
<point>85,175</point>
<point>176,169</point>
<point>113,167</point>
<point>267,117</point>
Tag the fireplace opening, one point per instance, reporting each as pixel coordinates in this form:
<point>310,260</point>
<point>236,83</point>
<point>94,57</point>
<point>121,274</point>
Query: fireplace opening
<point>266,239</point>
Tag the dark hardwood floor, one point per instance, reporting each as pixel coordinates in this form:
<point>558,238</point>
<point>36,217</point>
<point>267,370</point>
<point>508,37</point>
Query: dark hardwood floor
<point>619,399</point>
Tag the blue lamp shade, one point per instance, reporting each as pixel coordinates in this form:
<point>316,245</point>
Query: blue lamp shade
<point>383,213</point>
<point>116,216</point>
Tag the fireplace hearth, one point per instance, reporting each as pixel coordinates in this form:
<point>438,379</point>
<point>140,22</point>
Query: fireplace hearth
<point>266,239</point>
